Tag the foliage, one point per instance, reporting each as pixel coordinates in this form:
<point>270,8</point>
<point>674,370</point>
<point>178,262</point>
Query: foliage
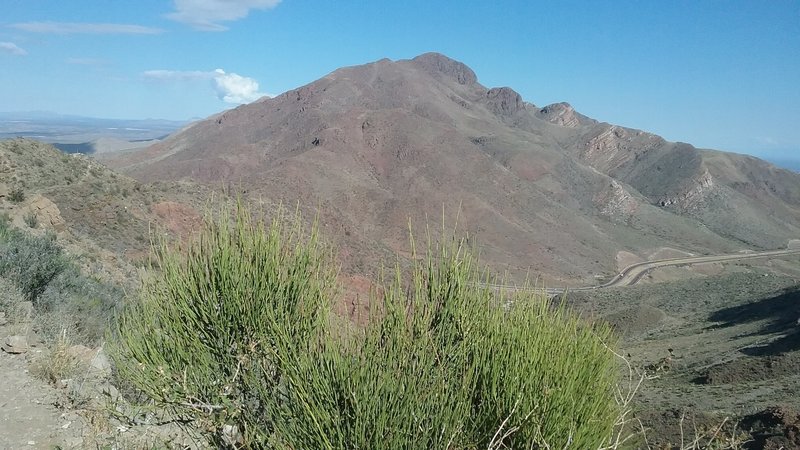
<point>216,318</point>
<point>233,335</point>
<point>84,305</point>
<point>31,219</point>
<point>62,296</point>
<point>17,195</point>
<point>31,261</point>
<point>449,364</point>
<point>57,363</point>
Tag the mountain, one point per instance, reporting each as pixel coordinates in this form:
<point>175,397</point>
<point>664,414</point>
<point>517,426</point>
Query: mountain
<point>540,190</point>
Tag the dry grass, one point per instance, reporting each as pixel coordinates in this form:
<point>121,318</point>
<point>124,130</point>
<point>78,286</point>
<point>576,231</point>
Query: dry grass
<point>56,363</point>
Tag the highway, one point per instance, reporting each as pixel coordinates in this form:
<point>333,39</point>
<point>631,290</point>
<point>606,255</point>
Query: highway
<point>633,273</point>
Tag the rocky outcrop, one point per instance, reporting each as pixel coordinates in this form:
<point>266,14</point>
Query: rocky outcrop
<point>436,63</point>
<point>47,213</point>
<point>16,345</point>
<point>563,114</point>
<point>504,101</point>
<point>616,203</point>
<point>693,197</point>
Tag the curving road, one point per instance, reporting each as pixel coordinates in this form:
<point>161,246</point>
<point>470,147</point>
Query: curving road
<point>634,272</point>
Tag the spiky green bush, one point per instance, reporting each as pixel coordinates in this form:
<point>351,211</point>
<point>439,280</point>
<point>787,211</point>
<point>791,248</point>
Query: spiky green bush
<point>448,364</point>
<point>215,319</point>
<point>234,333</point>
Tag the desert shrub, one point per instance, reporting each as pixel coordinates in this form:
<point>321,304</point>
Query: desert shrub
<point>449,364</point>
<point>31,261</point>
<point>81,304</point>
<point>63,298</point>
<point>11,299</point>
<point>5,227</point>
<point>31,219</point>
<point>56,363</point>
<point>216,320</point>
<point>233,335</point>
<point>17,195</point>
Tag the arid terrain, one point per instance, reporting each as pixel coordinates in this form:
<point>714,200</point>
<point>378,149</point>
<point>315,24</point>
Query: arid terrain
<point>542,193</point>
<point>540,190</point>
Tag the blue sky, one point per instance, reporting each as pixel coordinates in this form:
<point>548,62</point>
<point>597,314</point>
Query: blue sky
<point>717,74</point>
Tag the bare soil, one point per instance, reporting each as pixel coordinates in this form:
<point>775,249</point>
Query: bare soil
<point>29,413</point>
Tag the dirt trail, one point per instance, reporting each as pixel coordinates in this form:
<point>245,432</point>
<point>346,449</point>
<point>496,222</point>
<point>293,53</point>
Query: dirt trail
<point>29,418</point>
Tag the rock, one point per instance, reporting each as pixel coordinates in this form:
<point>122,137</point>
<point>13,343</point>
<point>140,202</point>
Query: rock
<point>110,391</point>
<point>437,63</point>
<point>232,435</point>
<point>3,319</point>
<point>16,345</point>
<point>95,360</point>
<point>100,363</point>
<point>504,101</point>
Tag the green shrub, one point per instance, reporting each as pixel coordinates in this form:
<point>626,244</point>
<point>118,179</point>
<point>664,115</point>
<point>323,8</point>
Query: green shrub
<point>31,261</point>
<point>5,227</point>
<point>83,305</point>
<point>234,333</point>
<point>452,365</point>
<point>216,320</point>
<point>63,297</point>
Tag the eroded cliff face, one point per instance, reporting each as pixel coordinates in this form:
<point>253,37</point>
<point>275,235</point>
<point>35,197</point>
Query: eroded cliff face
<point>616,203</point>
<point>689,200</point>
<point>504,101</point>
<point>608,148</point>
<point>562,114</point>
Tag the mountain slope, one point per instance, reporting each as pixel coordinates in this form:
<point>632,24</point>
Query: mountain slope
<point>545,189</point>
<point>102,218</point>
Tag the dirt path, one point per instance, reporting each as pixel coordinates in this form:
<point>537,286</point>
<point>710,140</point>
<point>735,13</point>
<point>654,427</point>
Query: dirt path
<point>28,417</point>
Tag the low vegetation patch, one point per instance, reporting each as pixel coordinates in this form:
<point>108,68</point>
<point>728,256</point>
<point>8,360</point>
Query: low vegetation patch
<point>62,297</point>
<point>234,335</point>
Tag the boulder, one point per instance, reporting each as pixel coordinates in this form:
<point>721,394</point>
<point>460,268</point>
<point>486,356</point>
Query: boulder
<point>16,345</point>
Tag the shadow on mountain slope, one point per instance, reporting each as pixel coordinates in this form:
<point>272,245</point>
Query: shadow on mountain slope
<point>781,317</point>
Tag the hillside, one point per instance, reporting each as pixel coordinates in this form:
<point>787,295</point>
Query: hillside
<point>103,218</point>
<point>543,190</point>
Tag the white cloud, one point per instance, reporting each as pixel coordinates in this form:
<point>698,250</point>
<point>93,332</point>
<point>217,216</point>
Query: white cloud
<point>12,48</point>
<point>234,88</point>
<point>84,28</point>
<point>204,14</point>
<point>230,87</point>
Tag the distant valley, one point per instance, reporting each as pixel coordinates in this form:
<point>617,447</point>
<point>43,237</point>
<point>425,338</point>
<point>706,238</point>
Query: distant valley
<point>88,135</point>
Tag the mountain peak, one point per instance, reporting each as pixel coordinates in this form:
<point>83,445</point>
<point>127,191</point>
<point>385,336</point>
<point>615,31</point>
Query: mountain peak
<point>437,63</point>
